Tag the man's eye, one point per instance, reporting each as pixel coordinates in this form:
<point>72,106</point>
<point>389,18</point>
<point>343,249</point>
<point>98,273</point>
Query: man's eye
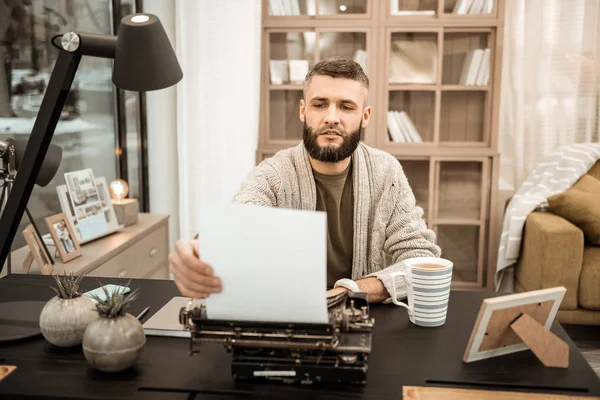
<point>347,108</point>
<point>320,105</point>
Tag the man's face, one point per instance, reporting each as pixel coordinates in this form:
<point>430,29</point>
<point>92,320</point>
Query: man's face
<point>334,116</point>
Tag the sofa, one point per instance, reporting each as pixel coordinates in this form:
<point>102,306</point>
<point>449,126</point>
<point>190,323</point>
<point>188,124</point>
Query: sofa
<point>562,248</point>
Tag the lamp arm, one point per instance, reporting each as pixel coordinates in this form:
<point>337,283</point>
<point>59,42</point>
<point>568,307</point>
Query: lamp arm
<point>37,147</point>
<point>90,44</point>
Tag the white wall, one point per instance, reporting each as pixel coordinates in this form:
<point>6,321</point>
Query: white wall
<point>161,114</point>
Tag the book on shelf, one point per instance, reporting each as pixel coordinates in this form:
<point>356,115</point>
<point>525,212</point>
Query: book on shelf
<point>476,68</point>
<point>298,70</point>
<point>360,56</point>
<point>284,7</point>
<point>473,7</point>
<point>278,71</point>
<point>413,61</point>
<point>401,127</point>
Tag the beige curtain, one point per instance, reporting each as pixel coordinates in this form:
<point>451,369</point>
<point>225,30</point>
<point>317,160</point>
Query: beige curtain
<point>550,81</point>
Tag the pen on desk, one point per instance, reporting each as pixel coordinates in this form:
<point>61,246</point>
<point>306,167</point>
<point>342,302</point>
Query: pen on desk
<point>143,313</point>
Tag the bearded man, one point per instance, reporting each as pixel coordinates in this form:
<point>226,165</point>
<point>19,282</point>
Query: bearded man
<point>370,206</point>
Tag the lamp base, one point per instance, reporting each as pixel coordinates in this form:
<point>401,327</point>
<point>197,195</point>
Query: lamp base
<point>127,211</point>
<point>20,320</point>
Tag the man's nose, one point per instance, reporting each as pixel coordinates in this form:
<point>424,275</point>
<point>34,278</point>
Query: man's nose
<point>332,117</point>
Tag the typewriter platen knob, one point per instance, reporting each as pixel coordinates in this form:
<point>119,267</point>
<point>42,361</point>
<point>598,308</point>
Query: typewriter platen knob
<point>183,316</point>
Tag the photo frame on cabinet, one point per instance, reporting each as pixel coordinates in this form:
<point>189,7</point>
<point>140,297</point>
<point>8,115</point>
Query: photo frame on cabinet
<point>108,211</point>
<point>37,253</point>
<point>64,237</point>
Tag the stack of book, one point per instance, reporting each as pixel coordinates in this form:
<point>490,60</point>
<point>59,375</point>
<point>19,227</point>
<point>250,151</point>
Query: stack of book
<point>476,68</point>
<point>284,7</point>
<point>473,7</point>
<point>401,128</point>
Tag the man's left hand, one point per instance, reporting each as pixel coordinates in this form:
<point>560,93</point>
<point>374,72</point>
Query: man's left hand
<point>336,291</point>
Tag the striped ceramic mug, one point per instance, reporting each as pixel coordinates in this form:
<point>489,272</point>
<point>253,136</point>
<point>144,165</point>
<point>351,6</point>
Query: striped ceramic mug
<point>428,289</point>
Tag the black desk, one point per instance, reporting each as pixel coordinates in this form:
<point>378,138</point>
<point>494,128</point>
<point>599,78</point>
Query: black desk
<point>403,354</point>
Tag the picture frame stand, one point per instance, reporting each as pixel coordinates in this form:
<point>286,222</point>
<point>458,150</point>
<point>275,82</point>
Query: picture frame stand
<point>547,347</point>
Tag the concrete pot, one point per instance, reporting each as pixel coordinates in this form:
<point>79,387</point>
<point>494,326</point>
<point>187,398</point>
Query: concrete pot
<point>64,321</point>
<point>113,344</point>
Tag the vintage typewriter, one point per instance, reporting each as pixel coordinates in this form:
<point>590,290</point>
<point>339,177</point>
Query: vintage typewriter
<point>335,352</point>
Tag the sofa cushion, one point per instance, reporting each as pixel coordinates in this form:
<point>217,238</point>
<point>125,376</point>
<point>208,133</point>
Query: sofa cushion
<point>589,281</point>
<point>580,206</point>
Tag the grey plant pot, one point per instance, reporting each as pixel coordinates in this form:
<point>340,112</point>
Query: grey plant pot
<point>113,344</point>
<point>64,321</point>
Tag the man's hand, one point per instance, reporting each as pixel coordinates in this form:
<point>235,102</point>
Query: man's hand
<point>336,291</point>
<point>374,288</point>
<point>193,277</point>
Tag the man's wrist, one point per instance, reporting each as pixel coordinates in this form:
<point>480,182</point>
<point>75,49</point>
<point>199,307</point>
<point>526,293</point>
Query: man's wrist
<point>348,284</point>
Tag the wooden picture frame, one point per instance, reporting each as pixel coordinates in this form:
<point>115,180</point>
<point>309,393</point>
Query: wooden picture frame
<point>36,252</point>
<point>517,322</point>
<point>64,237</point>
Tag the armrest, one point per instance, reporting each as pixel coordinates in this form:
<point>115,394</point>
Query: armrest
<point>551,255</point>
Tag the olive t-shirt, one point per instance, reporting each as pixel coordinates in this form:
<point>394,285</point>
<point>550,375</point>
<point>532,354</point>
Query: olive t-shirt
<point>335,196</point>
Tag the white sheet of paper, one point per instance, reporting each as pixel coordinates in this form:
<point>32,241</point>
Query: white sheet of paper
<point>272,263</point>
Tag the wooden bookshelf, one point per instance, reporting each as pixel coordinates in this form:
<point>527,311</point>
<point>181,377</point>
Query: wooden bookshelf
<point>426,62</point>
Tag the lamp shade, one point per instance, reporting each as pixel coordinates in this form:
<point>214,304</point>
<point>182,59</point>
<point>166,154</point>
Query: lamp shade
<point>49,166</point>
<point>144,58</point>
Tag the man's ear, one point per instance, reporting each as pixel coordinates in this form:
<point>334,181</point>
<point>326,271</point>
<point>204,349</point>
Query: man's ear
<point>302,110</point>
<point>366,116</point>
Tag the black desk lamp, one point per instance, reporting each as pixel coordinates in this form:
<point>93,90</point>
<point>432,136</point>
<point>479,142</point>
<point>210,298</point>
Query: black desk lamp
<point>144,61</point>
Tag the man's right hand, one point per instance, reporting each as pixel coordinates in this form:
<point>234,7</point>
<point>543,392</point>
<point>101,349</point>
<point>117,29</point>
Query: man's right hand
<point>193,277</point>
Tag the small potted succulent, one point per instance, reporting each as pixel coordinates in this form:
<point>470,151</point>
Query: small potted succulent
<point>65,317</point>
<point>114,341</point>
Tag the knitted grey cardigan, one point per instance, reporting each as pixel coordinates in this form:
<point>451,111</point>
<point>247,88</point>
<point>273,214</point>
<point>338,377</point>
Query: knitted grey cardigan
<point>386,217</point>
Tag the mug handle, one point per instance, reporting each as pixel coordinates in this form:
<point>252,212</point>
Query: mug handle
<point>394,295</point>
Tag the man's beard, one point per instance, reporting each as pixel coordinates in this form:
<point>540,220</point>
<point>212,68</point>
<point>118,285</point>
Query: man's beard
<point>331,153</point>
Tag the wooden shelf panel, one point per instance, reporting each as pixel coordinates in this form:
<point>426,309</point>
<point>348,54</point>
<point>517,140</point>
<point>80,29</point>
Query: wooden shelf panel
<point>459,190</point>
<point>413,58</point>
<point>460,244</point>
<point>410,87</point>
<point>283,115</point>
<point>462,88</point>
<point>417,173</point>
<point>286,86</point>
<point>462,116</point>
<point>433,149</point>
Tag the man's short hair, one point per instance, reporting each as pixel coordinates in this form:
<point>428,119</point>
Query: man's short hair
<point>338,67</point>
